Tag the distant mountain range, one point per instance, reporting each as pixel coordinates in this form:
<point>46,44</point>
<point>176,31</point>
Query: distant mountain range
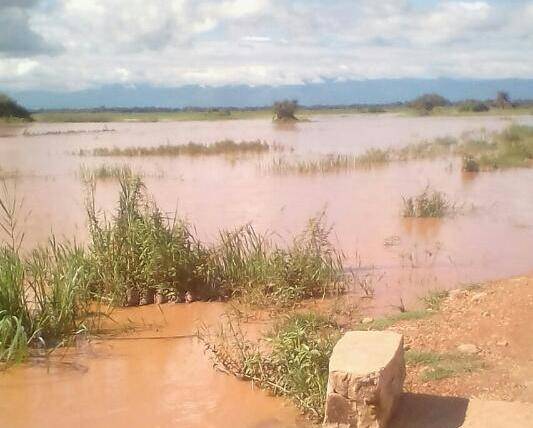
<point>377,91</point>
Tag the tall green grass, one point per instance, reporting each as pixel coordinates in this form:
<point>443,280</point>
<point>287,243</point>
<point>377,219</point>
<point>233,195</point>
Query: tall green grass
<point>140,252</point>
<point>250,266</point>
<point>54,291</point>
<point>44,297</point>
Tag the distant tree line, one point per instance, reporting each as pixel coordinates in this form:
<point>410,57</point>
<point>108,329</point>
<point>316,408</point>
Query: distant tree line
<point>426,103</point>
<point>286,109</point>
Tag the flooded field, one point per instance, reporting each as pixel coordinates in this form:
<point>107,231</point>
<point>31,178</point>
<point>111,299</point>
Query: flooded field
<point>169,382</point>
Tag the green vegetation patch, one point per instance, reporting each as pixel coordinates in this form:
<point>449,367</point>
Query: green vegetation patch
<point>292,360</point>
<point>439,366</point>
<point>388,321</point>
<point>429,203</point>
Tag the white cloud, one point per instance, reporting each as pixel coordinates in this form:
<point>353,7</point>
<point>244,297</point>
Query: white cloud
<point>209,42</point>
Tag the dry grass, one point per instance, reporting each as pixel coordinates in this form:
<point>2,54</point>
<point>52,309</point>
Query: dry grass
<point>225,147</point>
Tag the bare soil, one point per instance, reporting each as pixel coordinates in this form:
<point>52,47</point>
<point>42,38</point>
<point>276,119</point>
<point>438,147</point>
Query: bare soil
<point>497,318</point>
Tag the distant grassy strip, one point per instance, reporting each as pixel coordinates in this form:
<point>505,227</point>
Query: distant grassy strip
<point>79,116</point>
<point>28,133</point>
<point>169,116</point>
<point>225,147</point>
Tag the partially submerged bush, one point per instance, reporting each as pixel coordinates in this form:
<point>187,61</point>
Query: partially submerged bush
<point>292,361</point>
<point>430,203</point>
<point>427,102</point>
<point>470,164</point>
<point>285,110</point>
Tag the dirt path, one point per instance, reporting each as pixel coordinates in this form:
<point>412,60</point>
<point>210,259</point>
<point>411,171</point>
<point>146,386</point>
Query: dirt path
<point>498,320</point>
<point>494,323</point>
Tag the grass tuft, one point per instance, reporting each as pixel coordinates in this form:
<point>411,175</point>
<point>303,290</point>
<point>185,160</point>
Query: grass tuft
<point>104,172</point>
<point>429,203</point>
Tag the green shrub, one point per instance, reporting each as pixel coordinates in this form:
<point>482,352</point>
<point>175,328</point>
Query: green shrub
<point>430,203</point>
<point>285,110</point>
<point>427,102</point>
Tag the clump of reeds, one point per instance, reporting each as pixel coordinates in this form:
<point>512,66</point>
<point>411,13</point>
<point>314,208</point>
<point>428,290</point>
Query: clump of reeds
<point>332,163</point>
<point>429,203</point>
<point>224,147</point>
<point>425,149</point>
<point>291,361</point>
<point>140,252</point>
<point>46,297</point>
<point>43,297</point>
<point>250,266</point>
<point>104,172</point>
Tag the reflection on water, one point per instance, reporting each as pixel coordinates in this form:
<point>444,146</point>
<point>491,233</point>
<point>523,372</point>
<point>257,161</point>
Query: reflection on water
<point>170,382</point>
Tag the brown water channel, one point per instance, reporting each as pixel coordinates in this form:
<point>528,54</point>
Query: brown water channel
<point>170,382</point>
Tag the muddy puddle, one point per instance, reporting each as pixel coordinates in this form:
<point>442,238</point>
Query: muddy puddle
<point>169,382</point>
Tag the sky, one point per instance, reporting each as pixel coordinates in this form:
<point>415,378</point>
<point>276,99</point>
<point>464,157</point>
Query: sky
<point>72,45</point>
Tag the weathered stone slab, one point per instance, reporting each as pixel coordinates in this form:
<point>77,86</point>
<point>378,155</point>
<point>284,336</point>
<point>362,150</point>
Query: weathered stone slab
<point>366,375</point>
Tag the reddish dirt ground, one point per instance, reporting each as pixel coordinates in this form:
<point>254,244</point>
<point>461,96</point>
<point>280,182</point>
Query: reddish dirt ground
<point>498,319</point>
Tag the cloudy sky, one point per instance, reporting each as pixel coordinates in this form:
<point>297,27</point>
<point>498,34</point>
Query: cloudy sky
<point>79,44</point>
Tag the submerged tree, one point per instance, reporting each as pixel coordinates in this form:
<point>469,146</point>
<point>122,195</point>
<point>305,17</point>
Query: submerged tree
<point>427,102</point>
<point>503,100</point>
<point>10,108</point>
<point>285,110</point>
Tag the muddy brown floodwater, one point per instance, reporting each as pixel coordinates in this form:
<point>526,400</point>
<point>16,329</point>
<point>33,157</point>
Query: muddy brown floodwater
<point>169,382</point>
